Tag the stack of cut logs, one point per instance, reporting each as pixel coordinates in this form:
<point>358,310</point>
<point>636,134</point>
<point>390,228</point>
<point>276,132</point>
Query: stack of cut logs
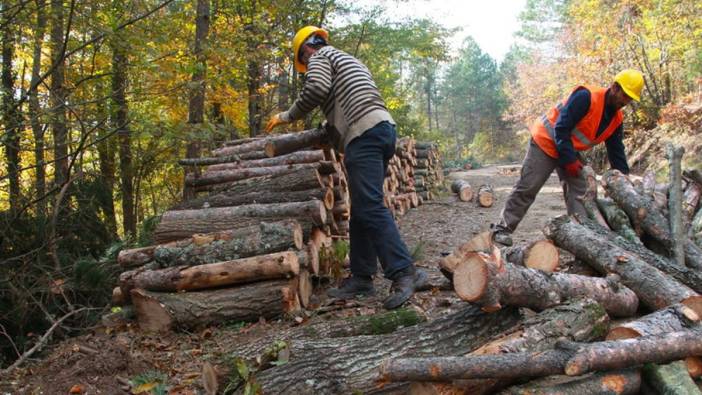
<point>429,172</point>
<point>642,244</point>
<point>248,241</point>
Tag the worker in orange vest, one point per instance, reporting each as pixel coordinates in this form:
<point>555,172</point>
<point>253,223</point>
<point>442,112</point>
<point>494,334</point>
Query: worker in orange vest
<point>589,116</point>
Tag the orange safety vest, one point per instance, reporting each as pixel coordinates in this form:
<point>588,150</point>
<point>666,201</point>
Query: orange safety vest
<point>584,135</point>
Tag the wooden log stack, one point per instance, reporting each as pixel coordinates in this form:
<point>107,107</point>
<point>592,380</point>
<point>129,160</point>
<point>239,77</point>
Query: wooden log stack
<point>429,173</point>
<point>259,228</point>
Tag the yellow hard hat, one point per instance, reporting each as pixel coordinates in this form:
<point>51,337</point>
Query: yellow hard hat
<point>300,37</point>
<point>632,82</point>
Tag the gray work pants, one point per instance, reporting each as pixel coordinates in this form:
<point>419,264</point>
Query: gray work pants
<point>536,169</point>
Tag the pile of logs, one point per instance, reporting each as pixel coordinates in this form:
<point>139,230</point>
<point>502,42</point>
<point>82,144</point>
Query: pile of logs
<point>485,196</point>
<point>258,226</point>
<point>428,173</point>
<point>641,241</point>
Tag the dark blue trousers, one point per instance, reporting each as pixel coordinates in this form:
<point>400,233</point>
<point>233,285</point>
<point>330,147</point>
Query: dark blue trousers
<point>373,232</point>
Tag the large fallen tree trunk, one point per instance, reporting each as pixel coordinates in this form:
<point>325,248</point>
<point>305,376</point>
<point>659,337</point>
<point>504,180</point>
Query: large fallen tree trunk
<point>654,288</point>
<point>289,159</point>
<point>281,145</point>
<point>490,282</point>
<point>274,266</point>
<point>580,320</point>
<point>179,224</point>
<point>161,312</point>
<point>351,363</point>
<point>642,213</point>
<point>570,357</point>
<point>621,382</point>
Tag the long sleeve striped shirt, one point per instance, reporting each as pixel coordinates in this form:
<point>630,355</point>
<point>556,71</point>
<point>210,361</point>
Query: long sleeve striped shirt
<point>344,88</point>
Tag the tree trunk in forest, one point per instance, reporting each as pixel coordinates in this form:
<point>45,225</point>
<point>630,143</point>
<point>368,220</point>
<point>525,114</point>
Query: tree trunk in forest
<point>679,239</point>
<point>196,103</point>
<point>351,363</point>
<point>641,212</point>
<point>685,275</point>
<point>293,142</point>
<point>618,382</point>
<point>654,288</point>
<point>278,265</point>
<point>160,312</point>
<point>58,96</point>
<point>490,282</point>
<point>486,196</point>
<point>38,130</point>
<point>463,189</point>
<point>253,85</point>
<point>539,254</point>
<point>120,122</point>
<point>106,149</point>
<point>10,110</point>
<point>261,238</point>
<point>579,320</point>
<point>180,224</point>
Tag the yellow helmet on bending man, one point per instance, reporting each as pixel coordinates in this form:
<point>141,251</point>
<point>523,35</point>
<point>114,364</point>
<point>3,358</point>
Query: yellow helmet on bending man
<point>631,81</point>
<point>300,37</point>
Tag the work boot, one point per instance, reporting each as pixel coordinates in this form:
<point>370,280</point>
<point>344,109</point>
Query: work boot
<point>501,235</point>
<point>353,286</point>
<point>403,286</point>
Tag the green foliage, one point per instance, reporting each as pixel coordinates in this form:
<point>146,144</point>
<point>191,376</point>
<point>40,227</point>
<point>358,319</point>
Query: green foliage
<point>151,382</point>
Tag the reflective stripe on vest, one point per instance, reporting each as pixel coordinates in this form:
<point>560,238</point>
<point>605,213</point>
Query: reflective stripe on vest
<point>578,134</point>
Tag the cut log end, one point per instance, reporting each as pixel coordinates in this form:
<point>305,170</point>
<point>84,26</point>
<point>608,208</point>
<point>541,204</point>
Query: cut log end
<point>471,277</point>
<point>304,288</point>
<point>694,367</point>
<point>695,304</point>
<point>619,333</point>
<point>542,255</point>
<point>329,199</point>
<point>153,316</point>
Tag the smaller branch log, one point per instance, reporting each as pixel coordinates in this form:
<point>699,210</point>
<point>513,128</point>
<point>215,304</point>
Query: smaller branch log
<point>618,220</point>
<point>289,159</point>
<point>672,378</point>
<point>675,154</point>
<point>281,145</point>
<point>486,196</point>
<point>619,382</point>
<point>540,254</point>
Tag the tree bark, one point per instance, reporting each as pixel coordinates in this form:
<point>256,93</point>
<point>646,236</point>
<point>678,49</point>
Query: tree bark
<point>180,224</point>
<point>35,109</point>
<point>289,159</point>
<point>618,220</point>
<point>160,312</point>
<point>539,254</point>
<point>351,363</point>
<point>685,275</point>
<point>490,282</point>
<point>297,180</point>
<point>640,210</point>
<point>463,189</point>
<point>654,288</point>
<point>486,196</point>
<point>11,115</point>
<point>285,144</point>
<point>672,378</point>
<point>253,145</point>
<point>691,200</point>
<point>674,155</point>
<point>120,122</point>
<point>198,84</point>
<point>619,354</point>
<point>580,320</point>
<point>675,318</point>
<point>274,266</point>
<point>480,243</point>
<point>325,195</point>
<point>619,382</point>
<point>58,95</point>
<point>261,238</point>
<point>223,176</point>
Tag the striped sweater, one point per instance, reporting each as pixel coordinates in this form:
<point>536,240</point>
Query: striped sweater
<point>344,88</point>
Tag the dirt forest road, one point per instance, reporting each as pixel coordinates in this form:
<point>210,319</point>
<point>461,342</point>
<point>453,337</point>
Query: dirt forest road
<point>127,353</point>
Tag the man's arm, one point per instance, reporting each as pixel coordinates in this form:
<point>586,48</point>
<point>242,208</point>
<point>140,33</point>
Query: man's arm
<point>574,110</point>
<point>315,90</point>
<point>616,152</point>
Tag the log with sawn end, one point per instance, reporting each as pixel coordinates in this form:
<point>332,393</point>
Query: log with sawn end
<point>289,159</point>
<point>539,254</point>
<point>463,189</point>
<point>285,144</point>
<point>618,382</point>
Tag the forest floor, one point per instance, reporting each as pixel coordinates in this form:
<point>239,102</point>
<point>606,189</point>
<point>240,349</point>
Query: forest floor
<point>105,360</point>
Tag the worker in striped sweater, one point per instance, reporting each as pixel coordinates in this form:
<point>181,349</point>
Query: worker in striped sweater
<point>364,131</point>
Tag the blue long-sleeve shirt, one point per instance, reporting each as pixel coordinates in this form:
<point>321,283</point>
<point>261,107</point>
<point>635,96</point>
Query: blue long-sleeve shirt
<point>576,107</point>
